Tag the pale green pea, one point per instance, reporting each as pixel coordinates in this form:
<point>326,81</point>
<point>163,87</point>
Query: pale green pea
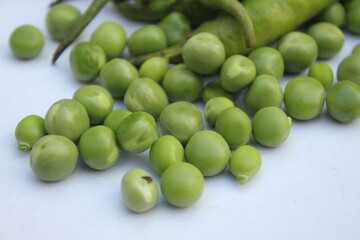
<point>335,14</point>
<point>323,73</point>
<point>268,60</point>
<point>28,131</point>
<point>214,89</point>
<point>349,69</point>
<point>214,107</point>
<point>26,41</point>
<point>154,68</point>
<point>114,119</point>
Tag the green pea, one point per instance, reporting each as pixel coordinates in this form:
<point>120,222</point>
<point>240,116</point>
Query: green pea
<point>208,151</point>
<point>60,20</point>
<point>182,184</point>
<point>237,73</point>
<point>111,37</point>
<point>245,163</point>
<point>203,53</point>
<point>147,39</point>
<point>343,101</point>
<point>176,27</point>
<point>299,51</point>
<point>145,95</point>
<point>214,107</point>
<point>114,119</point>
<point>182,84</point>
<point>214,89</point>
<point>349,69</point>
<point>265,91</point>
<point>97,101</point>
<point>335,14</point>
<point>28,131</point>
<point>353,16</point>
<point>323,73</point>
<point>67,117</point>
<point>86,60</point>
<point>356,49</point>
<point>117,75</point>
<point>268,60</point>
<point>53,158</point>
<point>329,39</point>
<point>182,120</point>
<point>271,126</point>
<point>98,148</point>
<point>26,42</point>
<point>304,98</point>
<point>165,151</point>
<point>139,191</point>
<point>235,126</point>
<point>137,132</point>
<point>154,68</point>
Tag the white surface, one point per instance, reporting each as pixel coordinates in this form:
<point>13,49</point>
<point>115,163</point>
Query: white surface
<point>306,189</point>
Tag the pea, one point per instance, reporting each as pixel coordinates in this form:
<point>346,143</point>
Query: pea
<point>208,151</point>
<point>147,39</point>
<point>98,148</point>
<point>182,84</point>
<point>154,68</point>
<point>343,101</point>
<point>114,119</point>
<point>60,20</point>
<point>97,101</point>
<point>139,191</point>
<point>356,49</point>
<point>67,117</point>
<point>53,158</point>
<point>353,16</point>
<point>299,51</point>
<point>117,75</point>
<point>334,13</point>
<point>145,95</point>
<point>213,89</point>
<point>245,163</point>
<point>304,98</point>
<point>235,126</point>
<point>86,60</point>
<point>271,126</point>
<point>165,151</point>
<point>28,131</point>
<point>182,184</point>
<point>176,27</point>
<point>265,91</point>
<point>237,73</point>
<point>111,37</point>
<point>268,60</point>
<point>349,69</point>
<point>26,41</point>
<point>182,120</point>
<point>137,132</point>
<point>214,107</point>
<point>323,73</point>
<point>203,53</point>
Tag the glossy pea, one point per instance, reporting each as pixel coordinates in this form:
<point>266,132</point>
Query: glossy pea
<point>356,49</point>
<point>176,27</point>
<point>114,119</point>
<point>154,68</point>
<point>214,89</point>
<point>26,41</point>
<point>334,13</point>
<point>268,60</point>
<point>323,73</point>
<point>214,107</point>
<point>28,131</point>
<point>349,69</point>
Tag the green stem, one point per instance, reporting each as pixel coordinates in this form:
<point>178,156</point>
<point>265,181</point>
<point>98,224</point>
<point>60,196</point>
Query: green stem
<point>56,2</point>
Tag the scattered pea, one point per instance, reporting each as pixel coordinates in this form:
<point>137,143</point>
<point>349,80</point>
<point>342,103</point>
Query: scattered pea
<point>154,68</point>
<point>114,119</point>
<point>214,89</point>
<point>323,73</point>
<point>349,69</point>
<point>214,107</point>
<point>268,60</point>
<point>356,49</point>
<point>176,27</point>
<point>26,41</point>
<point>335,14</point>
<point>28,131</point>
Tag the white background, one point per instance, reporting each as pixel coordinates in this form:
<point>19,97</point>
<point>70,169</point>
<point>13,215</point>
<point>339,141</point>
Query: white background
<point>308,188</point>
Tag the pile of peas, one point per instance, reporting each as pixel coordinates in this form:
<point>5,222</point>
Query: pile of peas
<point>182,152</point>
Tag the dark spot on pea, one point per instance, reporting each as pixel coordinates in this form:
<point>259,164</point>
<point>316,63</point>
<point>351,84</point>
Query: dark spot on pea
<point>147,178</point>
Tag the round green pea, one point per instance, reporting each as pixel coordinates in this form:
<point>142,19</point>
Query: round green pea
<point>53,158</point>
<point>203,53</point>
<point>148,39</point>
<point>214,107</point>
<point>335,14</point>
<point>237,73</point>
<point>245,163</point>
<point>139,191</point>
<point>343,101</point>
<point>356,49</point>
<point>176,27</point>
<point>117,75</point>
<point>67,117</point>
<point>349,69</point>
<point>208,151</point>
<point>145,95</point>
<point>86,60</point>
<point>214,89</point>
<point>270,126</point>
<point>99,148</point>
<point>265,91</point>
<point>268,60</point>
<point>182,184</point>
<point>182,84</point>
<point>28,131</point>
<point>114,119</point>
<point>97,101</point>
<point>353,16</point>
<point>60,20</point>
<point>323,73</point>
<point>235,126</point>
<point>304,98</point>
<point>137,132</point>
<point>154,68</point>
<point>165,151</point>
<point>182,120</point>
<point>26,41</point>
